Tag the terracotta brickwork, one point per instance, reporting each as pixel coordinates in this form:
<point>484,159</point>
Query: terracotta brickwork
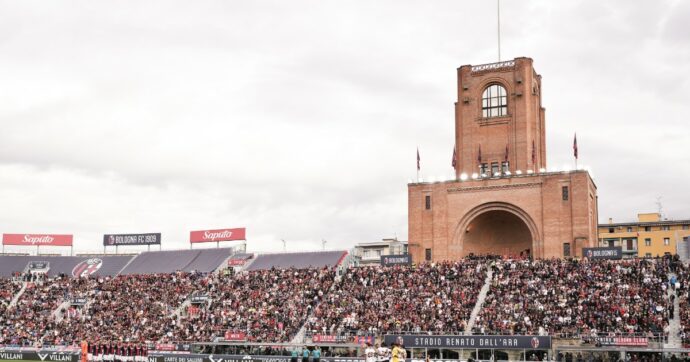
<point>546,214</point>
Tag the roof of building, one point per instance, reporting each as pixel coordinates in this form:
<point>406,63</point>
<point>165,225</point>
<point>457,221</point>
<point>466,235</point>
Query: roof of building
<point>647,223</point>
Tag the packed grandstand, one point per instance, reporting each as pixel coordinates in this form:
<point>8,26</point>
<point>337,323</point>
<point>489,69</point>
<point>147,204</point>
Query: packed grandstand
<point>211,295</point>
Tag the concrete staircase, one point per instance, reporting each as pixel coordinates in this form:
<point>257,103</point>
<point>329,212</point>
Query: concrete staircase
<point>126,265</point>
<point>248,263</point>
<point>18,295</point>
<point>674,340</point>
<point>56,313</point>
<point>301,335</point>
<point>480,302</point>
<point>682,249</point>
<point>223,265</point>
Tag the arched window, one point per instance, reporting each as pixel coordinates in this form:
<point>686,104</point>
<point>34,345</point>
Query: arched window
<point>494,101</point>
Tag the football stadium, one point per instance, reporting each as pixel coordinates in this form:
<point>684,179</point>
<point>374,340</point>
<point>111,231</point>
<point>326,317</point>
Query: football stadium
<point>492,273</point>
<point>506,260</point>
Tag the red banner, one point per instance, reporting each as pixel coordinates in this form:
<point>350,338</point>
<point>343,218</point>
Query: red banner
<point>235,336</point>
<point>37,239</point>
<point>321,338</point>
<point>207,236</point>
<point>236,262</point>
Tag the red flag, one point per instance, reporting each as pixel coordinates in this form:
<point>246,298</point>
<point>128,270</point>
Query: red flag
<point>479,156</point>
<point>506,155</point>
<point>418,159</point>
<point>455,158</point>
<point>534,153</point>
<point>575,146</point>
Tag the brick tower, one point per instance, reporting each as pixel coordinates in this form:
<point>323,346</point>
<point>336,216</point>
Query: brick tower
<point>499,112</point>
<point>503,201</point>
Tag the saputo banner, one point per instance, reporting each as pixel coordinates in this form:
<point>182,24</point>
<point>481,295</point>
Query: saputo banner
<point>37,239</point>
<point>131,239</point>
<point>471,342</point>
<point>208,236</point>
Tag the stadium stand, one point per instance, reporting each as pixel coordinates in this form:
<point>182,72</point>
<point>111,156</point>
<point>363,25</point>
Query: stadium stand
<point>573,298</point>
<point>203,260</point>
<point>683,293</point>
<point>8,289</point>
<point>30,320</point>
<point>317,259</point>
<point>566,298</point>
<point>374,300</point>
<point>110,264</point>
<point>136,307</point>
<point>267,305</point>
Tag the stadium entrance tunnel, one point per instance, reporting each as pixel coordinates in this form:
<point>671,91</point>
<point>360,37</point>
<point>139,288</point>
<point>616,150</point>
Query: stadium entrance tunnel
<point>499,232</point>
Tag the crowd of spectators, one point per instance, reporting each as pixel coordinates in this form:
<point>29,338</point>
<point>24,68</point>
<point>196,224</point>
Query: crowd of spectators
<point>28,322</point>
<point>683,294</point>
<point>571,297</point>
<point>554,297</point>
<point>427,297</point>
<point>262,305</point>
<point>8,289</point>
<point>128,308</point>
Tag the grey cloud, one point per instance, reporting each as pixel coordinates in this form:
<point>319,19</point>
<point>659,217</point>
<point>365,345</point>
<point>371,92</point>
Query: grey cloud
<point>301,120</point>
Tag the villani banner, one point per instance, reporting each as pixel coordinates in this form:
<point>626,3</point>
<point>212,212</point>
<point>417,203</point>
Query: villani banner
<point>15,355</point>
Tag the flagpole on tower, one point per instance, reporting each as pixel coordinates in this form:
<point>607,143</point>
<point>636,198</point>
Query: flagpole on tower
<point>498,12</point>
<point>575,149</point>
<point>418,165</point>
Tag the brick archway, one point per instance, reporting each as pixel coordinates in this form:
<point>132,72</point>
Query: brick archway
<point>485,228</point>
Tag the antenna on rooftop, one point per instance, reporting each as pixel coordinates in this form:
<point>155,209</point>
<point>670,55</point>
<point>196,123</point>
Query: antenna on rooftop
<point>660,207</point>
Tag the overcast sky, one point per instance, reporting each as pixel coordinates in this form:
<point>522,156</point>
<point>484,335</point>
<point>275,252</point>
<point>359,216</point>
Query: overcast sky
<point>300,119</point>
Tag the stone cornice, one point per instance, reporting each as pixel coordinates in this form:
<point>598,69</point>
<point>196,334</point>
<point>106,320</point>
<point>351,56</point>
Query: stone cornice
<point>494,187</point>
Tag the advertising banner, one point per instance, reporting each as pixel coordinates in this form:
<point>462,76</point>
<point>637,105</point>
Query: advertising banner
<point>471,342</point>
<point>235,336</point>
<point>132,239</point>
<point>208,236</point>
<point>390,260</point>
<point>322,338</point>
<point>236,358</point>
<point>78,301</point>
<point>38,264</point>
<point>169,347</point>
<point>199,299</point>
<point>623,341</point>
<point>40,355</point>
<point>37,239</point>
<point>615,252</point>
<point>236,262</point>
<point>170,357</point>
<point>364,340</point>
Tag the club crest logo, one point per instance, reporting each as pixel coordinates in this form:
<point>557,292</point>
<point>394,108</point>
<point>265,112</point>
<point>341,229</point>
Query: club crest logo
<point>87,267</point>
<point>534,342</point>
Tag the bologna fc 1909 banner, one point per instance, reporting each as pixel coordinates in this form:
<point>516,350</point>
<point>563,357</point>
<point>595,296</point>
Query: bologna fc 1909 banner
<point>132,239</point>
